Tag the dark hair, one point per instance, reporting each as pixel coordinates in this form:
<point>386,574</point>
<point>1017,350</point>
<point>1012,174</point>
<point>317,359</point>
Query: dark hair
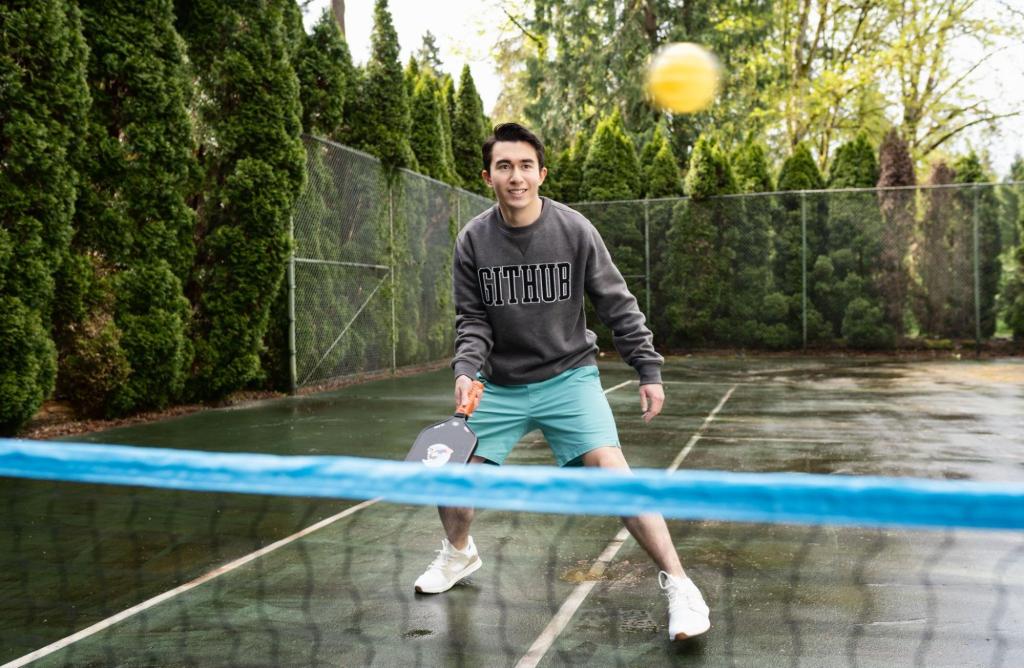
<point>512,132</point>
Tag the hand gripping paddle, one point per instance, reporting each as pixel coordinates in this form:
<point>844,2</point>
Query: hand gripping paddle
<point>451,441</point>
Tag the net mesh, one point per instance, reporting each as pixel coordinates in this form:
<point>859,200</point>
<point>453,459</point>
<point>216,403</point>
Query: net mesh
<point>870,267</point>
<point>226,559</point>
<point>372,265</point>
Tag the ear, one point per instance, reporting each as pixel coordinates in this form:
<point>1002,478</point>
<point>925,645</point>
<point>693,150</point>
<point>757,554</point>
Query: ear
<point>486,175</point>
<point>543,175</point>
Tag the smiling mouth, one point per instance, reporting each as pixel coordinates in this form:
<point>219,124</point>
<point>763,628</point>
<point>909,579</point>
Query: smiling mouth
<point>519,191</point>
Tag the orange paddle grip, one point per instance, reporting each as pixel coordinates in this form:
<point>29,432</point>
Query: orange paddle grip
<point>470,402</point>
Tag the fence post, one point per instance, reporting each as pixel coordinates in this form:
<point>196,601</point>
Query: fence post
<point>977,276</point>
<point>803,261</point>
<point>647,261</point>
<point>292,373</point>
<point>391,261</point>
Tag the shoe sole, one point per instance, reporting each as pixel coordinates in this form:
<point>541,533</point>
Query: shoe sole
<point>473,567</point>
<point>683,636</point>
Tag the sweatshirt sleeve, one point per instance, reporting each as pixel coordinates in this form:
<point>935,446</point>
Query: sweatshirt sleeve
<point>618,310</point>
<point>473,335</point>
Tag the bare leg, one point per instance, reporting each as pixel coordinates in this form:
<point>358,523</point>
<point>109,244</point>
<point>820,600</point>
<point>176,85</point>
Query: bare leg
<point>649,530</point>
<point>456,520</point>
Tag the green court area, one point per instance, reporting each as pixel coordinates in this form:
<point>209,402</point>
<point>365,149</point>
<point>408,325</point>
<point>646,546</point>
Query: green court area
<point>127,576</point>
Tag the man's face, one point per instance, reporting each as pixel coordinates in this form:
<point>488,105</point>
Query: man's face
<point>515,174</point>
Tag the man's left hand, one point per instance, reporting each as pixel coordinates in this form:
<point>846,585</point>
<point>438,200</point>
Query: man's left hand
<point>652,397</point>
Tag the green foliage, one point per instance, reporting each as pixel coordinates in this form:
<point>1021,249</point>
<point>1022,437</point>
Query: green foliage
<point>934,254</point>
<point>611,170</point>
<point>380,109</point>
<point>324,69</point>
<point>984,212</point>
<point>428,136</point>
<point>797,210</point>
<point>660,167</point>
<point>750,165</point>
<point>29,365</point>
<point>43,105</point>
<point>132,220</point>
<point>863,326</point>
<point>254,170</point>
<point>854,165</point>
<point>468,134</point>
<point>702,250</point>
<point>855,243</point>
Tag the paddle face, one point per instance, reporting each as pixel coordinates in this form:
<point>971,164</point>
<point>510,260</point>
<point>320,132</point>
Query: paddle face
<point>450,441</point>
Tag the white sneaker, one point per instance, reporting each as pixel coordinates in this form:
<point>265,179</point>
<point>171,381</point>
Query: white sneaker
<point>449,567</point>
<point>687,611</point>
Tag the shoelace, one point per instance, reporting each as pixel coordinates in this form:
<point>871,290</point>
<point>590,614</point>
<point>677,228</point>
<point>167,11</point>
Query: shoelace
<point>678,597</point>
<point>442,557</point>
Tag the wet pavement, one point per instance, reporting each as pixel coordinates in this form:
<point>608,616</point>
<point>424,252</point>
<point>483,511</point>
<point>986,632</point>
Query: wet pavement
<point>780,595</point>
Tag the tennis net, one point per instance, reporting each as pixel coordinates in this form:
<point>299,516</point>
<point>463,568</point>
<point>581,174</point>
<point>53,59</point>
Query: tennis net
<point>118,555</point>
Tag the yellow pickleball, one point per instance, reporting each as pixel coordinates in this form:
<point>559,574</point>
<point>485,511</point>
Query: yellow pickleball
<point>683,77</point>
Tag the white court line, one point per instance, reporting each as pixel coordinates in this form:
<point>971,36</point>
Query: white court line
<point>160,598</point>
<point>569,607</point>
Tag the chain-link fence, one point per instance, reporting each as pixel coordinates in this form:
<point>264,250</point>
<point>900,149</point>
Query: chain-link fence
<point>866,268</point>
<point>371,272</point>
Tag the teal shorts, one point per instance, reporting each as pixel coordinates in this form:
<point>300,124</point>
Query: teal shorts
<point>570,409</point>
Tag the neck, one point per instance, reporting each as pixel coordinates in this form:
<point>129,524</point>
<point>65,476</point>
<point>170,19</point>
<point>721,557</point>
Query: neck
<point>523,216</point>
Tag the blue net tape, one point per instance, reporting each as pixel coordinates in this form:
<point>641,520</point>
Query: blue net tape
<point>689,494</point>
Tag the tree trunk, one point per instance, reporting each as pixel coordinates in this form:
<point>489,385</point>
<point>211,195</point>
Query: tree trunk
<point>338,8</point>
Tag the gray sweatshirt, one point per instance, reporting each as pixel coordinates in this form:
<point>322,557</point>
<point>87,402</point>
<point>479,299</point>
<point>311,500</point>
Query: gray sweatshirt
<point>519,299</point>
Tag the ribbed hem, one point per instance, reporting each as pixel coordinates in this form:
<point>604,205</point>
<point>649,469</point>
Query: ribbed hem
<point>650,374</point>
<point>464,369</point>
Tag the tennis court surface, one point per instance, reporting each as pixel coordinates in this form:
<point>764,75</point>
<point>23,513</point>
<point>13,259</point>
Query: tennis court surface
<point>107,575</point>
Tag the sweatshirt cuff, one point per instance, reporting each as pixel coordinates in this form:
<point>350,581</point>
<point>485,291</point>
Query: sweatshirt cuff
<point>464,369</point>
<point>650,374</point>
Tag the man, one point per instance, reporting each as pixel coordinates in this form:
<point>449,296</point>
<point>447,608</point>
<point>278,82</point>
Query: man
<point>520,273</point>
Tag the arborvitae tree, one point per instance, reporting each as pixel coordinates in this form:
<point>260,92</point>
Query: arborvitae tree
<point>1013,295</point>
<point>43,104</point>
<point>800,172</point>
<point>127,349</point>
<point>934,254</point>
<point>445,88</point>
<point>410,76</point>
<point>611,170</point>
<point>763,323</point>
<point>854,235</point>
<point>750,166</point>
<point>660,168</point>
<point>380,113</point>
<point>294,32</point>
<point>701,250</point>
<point>254,168</point>
<point>897,205</point>
<point>1012,204</point>
<point>570,181</point>
<point>428,135</point>
<point>468,134</point>
<point>554,160</point>
<point>324,69</point>
<point>983,207</point>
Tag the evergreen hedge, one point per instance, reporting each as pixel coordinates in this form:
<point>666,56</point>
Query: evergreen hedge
<point>253,168</point>
<point>44,100</point>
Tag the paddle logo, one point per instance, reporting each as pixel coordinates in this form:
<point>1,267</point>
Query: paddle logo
<point>438,455</point>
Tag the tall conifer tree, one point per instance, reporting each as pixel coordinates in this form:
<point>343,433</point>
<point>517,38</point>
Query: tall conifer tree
<point>43,105</point>
<point>324,68</point>
<point>898,207</point>
<point>254,168</point>
<point>133,246</point>
<point>468,134</point>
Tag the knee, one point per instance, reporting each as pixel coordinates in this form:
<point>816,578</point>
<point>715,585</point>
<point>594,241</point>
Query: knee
<point>608,457</point>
